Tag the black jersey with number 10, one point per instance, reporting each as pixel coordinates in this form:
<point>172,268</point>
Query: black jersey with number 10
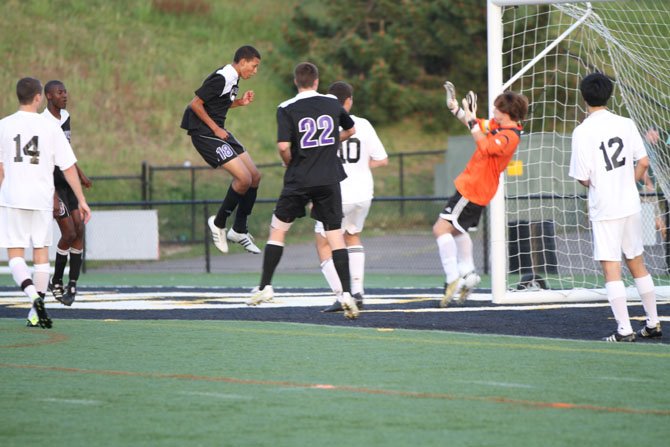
<point>310,122</point>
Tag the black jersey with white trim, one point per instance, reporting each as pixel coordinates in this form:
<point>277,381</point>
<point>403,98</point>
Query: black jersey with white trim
<point>64,123</point>
<point>218,91</point>
<point>310,122</point>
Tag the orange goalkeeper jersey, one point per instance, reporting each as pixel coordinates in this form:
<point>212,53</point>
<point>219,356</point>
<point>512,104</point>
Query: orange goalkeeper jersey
<point>479,180</point>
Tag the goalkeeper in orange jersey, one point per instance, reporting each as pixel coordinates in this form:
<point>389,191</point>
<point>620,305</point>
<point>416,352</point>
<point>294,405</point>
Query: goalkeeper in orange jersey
<point>496,140</point>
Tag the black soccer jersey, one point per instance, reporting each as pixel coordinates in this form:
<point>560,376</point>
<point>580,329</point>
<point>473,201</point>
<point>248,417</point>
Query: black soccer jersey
<point>310,122</point>
<point>64,123</point>
<point>218,91</point>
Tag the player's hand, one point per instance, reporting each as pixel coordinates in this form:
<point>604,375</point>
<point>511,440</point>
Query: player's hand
<point>221,133</point>
<point>452,102</point>
<point>470,108</point>
<point>247,98</point>
<point>85,211</point>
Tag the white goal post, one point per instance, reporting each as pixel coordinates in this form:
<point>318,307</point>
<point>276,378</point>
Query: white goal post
<point>540,238</point>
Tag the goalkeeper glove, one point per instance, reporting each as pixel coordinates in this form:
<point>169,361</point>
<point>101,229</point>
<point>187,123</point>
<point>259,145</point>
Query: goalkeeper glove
<point>470,107</point>
<point>452,102</point>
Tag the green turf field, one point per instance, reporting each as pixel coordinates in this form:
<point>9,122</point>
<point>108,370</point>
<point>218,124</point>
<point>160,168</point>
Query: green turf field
<point>223,383</point>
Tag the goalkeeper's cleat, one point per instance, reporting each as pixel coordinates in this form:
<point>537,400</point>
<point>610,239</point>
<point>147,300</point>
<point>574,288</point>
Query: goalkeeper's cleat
<point>470,281</point>
<point>450,290</point>
<point>616,337</point>
<point>349,306</point>
<point>56,289</point>
<point>649,332</point>
<point>245,240</point>
<point>218,235</point>
<point>260,296</point>
<point>42,317</point>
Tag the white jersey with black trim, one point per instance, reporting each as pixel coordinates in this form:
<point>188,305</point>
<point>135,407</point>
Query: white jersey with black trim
<point>30,146</point>
<point>356,153</point>
<point>605,148</point>
<point>62,122</point>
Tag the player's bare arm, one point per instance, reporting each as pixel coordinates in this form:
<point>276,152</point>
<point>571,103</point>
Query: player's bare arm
<point>198,107</point>
<point>641,168</point>
<point>85,181</point>
<point>73,180</point>
<point>379,163</point>
<point>346,134</point>
<point>284,149</point>
<point>245,100</point>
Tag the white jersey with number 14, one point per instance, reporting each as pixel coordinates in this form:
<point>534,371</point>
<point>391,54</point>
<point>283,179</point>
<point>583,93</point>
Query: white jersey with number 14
<point>30,146</point>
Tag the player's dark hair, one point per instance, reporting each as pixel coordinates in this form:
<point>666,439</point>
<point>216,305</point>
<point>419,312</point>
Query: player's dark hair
<point>26,89</point>
<point>341,90</point>
<point>513,104</point>
<point>51,85</point>
<point>247,52</point>
<point>305,74</point>
<point>596,89</point>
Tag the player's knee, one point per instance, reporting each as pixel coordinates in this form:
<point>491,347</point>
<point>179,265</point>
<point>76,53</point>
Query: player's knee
<point>68,235</point>
<point>256,179</point>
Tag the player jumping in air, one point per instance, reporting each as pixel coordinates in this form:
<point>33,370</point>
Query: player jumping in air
<point>205,119</point>
<point>496,140</point>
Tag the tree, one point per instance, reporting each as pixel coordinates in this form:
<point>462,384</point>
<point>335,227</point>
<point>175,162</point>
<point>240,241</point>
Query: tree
<point>395,53</point>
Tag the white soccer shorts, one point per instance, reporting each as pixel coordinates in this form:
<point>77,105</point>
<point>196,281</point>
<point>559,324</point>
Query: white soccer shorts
<point>353,220</point>
<point>21,228</point>
<point>612,237</point>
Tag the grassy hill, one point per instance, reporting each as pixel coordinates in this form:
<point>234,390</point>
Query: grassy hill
<point>132,65</point>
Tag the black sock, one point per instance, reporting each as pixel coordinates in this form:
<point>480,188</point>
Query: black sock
<point>75,266</point>
<point>341,261</point>
<point>271,256</point>
<point>229,203</point>
<point>244,210</point>
<point>59,268</point>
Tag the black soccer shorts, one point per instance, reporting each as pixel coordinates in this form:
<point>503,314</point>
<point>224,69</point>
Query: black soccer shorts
<point>215,151</point>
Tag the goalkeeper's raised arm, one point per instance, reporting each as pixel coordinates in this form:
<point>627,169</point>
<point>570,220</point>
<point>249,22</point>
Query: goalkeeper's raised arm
<point>452,102</point>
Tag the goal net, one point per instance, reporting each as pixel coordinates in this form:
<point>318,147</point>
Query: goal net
<point>546,49</point>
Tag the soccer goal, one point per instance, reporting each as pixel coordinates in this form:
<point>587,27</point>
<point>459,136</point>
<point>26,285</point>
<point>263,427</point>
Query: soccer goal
<point>541,249</point>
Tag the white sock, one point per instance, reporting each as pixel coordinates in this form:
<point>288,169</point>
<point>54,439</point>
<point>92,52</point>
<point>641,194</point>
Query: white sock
<point>329,272</point>
<point>466,262</point>
<point>616,294</point>
<point>21,273</point>
<point>448,255</point>
<point>32,314</point>
<point>41,277</point>
<point>356,268</point>
<point>645,287</point>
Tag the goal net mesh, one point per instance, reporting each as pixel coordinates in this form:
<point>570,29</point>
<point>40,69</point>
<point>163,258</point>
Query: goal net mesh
<point>546,210</point>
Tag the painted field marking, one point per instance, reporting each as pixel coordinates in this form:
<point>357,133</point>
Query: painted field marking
<point>71,401</point>
<point>350,389</point>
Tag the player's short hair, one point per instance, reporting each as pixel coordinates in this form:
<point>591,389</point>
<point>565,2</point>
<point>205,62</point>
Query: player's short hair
<point>247,52</point>
<point>26,89</point>
<point>305,73</point>
<point>341,90</point>
<point>51,85</point>
<point>596,89</point>
<point>513,104</point>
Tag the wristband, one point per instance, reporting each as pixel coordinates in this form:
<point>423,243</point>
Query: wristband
<point>472,125</point>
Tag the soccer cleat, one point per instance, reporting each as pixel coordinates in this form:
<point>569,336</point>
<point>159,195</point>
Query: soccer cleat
<point>32,320</point>
<point>43,318</point>
<point>616,337</point>
<point>449,292</point>
<point>349,306</point>
<point>218,235</point>
<point>57,290</point>
<point>70,293</point>
<point>470,281</point>
<point>260,296</point>
<point>649,332</point>
<point>245,240</point>
<point>335,307</point>
<point>359,300</point>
